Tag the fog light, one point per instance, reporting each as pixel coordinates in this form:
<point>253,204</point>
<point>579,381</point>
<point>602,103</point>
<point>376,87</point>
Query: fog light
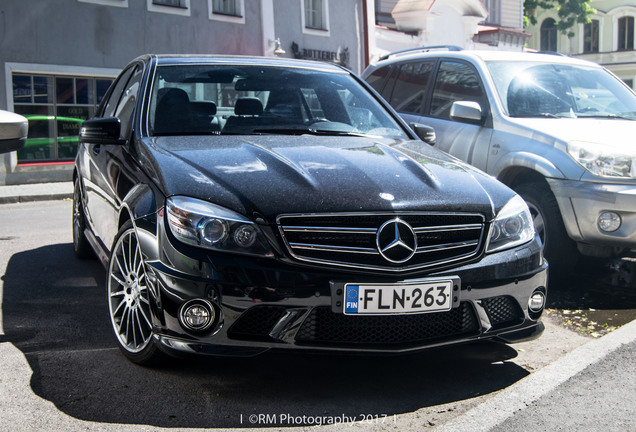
<point>197,315</point>
<point>609,221</point>
<point>536,301</point>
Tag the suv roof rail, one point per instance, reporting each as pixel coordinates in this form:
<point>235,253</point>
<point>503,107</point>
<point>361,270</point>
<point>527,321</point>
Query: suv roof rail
<point>422,49</point>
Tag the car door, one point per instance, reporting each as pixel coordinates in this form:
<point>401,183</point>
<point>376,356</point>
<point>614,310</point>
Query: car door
<point>107,163</point>
<point>421,99</point>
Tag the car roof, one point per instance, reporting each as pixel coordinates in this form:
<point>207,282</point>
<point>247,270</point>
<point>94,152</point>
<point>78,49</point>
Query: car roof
<point>184,59</point>
<point>486,56</point>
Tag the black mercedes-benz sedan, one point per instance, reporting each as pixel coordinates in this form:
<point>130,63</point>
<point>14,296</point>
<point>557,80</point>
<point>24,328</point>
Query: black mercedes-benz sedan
<point>247,204</point>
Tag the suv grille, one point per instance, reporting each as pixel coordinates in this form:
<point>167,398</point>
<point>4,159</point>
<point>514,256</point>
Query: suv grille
<point>365,240</point>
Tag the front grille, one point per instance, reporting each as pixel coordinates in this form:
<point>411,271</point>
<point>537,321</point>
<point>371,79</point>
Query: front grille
<point>502,311</point>
<point>352,239</point>
<point>256,323</point>
<point>323,326</point>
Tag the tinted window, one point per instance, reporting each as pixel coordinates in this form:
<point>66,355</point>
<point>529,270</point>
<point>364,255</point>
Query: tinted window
<point>377,79</point>
<point>113,99</point>
<point>455,82</point>
<point>126,106</point>
<point>410,88</point>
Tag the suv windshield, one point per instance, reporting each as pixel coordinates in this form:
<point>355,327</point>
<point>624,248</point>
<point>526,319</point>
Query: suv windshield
<point>247,100</point>
<point>528,89</point>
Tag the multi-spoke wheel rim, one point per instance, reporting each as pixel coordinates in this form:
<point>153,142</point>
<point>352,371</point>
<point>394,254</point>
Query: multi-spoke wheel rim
<point>77,216</point>
<point>128,294</point>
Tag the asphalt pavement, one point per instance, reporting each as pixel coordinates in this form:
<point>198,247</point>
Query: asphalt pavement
<point>592,388</point>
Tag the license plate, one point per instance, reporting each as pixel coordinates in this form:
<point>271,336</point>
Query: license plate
<point>388,299</point>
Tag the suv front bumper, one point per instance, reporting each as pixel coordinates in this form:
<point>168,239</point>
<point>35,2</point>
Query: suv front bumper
<point>582,203</point>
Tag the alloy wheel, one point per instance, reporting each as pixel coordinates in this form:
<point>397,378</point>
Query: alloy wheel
<point>129,294</point>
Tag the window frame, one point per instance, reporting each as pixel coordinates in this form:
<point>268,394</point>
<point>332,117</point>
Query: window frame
<point>234,19</point>
<point>114,3</point>
<point>630,43</point>
<point>168,9</point>
<point>325,32</point>
<point>595,30</point>
<point>552,32</point>
<point>57,109</point>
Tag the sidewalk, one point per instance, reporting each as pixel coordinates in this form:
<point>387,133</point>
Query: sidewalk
<point>35,192</point>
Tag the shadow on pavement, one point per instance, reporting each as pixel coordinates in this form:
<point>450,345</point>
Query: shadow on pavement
<point>55,312</point>
<point>598,297</point>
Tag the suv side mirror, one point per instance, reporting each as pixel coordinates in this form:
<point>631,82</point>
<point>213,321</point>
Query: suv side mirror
<point>424,132</point>
<point>104,131</point>
<point>14,129</point>
<point>466,111</point>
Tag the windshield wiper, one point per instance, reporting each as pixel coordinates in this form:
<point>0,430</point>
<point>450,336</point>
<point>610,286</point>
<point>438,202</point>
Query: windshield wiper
<point>606,116</point>
<point>548,115</point>
<point>310,131</point>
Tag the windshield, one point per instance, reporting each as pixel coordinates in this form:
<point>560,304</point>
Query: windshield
<point>529,89</point>
<point>248,100</point>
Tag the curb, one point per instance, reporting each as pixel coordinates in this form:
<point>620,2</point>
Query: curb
<point>32,198</point>
<point>519,396</point>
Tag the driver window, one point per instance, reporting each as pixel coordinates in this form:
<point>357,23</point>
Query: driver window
<point>113,98</point>
<point>126,106</point>
<point>455,82</point>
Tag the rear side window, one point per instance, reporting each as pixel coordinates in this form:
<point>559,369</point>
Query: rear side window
<point>455,82</point>
<point>409,93</point>
<point>377,79</point>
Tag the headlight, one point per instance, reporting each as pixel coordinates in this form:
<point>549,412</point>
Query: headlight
<point>603,161</point>
<point>512,227</point>
<point>200,223</point>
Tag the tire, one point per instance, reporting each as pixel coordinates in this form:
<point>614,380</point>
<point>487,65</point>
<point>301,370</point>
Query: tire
<point>129,300</point>
<point>559,250</point>
<point>81,247</point>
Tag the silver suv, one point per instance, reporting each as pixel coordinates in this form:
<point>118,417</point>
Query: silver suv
<point>558,130</point>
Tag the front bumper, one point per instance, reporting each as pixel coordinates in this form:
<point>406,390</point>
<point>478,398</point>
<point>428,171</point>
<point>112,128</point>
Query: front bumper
<point>264,303</point>
<point>582,203</point>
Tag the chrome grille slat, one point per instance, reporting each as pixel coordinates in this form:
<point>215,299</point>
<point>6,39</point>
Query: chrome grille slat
<point>349,240</point>
<point>327,248</point>
<point>424,249</point>
<point>331,230</point>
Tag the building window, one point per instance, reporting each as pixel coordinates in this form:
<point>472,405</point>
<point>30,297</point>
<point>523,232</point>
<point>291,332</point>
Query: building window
<point>227,10</point>
<point>55,106</point>
<point>116,3</point>
<point>590,37</point>
<point>227,7</point>
<point>170,3</point>
<point>626,34</point>
<point>175,7</point>
<point>548,35</point>
<point>494,12</point>
<point>315,17</point>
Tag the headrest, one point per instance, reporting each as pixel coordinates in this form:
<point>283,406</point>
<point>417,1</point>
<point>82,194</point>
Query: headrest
<point>248,106</point>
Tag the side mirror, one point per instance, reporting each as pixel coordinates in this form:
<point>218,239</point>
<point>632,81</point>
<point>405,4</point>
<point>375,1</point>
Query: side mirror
<point>424,132</point>
<point>103,131</point>
<point>465,111</point>
<point>14,129</point>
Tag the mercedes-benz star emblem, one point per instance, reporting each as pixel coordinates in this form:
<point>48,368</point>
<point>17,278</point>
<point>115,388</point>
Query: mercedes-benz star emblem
<point>396,241</point>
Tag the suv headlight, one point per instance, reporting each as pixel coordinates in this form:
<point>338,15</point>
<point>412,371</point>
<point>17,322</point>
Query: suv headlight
<point>200,223</point>
<point>603,161</point>
<point>512,227</point>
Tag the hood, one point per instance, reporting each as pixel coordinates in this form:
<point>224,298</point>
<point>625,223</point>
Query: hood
<point>617,133</point>
<point>264,176</point>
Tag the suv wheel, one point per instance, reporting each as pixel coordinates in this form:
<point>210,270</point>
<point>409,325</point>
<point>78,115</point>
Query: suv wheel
<point>558,248</point>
